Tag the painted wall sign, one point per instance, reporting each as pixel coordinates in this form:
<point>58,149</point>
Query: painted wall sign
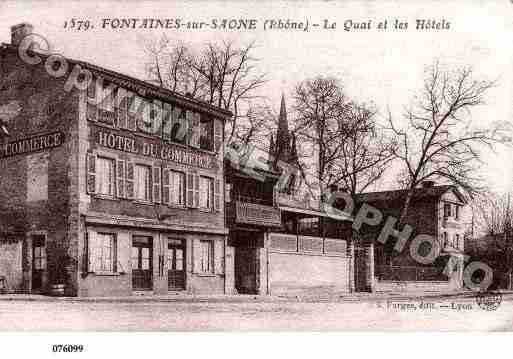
<point>154,149</point>
<point>32,144</point>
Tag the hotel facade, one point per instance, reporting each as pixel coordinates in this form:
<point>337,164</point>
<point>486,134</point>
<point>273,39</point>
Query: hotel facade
<point>110,190</point>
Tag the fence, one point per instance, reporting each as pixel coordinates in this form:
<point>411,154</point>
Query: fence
<point>410,273</point>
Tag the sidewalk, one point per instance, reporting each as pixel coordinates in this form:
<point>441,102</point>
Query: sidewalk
<point>240,298</point>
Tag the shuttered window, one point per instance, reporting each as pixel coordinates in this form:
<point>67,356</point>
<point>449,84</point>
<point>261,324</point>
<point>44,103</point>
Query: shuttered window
<point>177,188</point>
<point>105,176</point>
<point>206,192</point>
<point>142,183</point>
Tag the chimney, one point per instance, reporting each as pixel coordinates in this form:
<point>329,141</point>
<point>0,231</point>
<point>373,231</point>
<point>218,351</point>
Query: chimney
<point>428,184</point>
<point>18,32</point>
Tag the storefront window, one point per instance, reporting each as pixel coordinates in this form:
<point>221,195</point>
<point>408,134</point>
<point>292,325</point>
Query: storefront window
<point>103,247</point>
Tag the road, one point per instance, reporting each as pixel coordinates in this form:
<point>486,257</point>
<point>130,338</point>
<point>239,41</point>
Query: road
<point>434,314</point>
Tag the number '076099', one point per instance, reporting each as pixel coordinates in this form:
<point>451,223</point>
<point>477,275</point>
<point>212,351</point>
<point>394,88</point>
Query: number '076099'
<point>67,348</point>
<point>77,24</point>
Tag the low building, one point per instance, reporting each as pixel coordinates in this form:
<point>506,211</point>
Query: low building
<point>285,243</point>
<point>110,189</point>
<point>435,211</point>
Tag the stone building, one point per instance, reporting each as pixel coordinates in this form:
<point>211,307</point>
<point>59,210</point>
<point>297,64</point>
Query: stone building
<point>108,184</point>
<point>285,242</point>
<point>435,210</point>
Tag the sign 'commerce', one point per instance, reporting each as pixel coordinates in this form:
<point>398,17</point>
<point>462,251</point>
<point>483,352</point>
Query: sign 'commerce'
<point>32,144</point>
<point>165,152</point>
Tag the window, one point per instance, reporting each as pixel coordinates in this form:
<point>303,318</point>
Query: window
<point>445,240</point>
<point>206,187</point>
<point>207,256</point>
<point>206,133</point>
<point>105,253</point>
<point>142,183</point>
<point>177,188</point>
<point>447,210</point>
<point>179,126</point>
<point>105,173</point>
<point>457,212</point>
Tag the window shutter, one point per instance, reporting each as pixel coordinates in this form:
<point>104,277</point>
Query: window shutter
<point>92,252</point>
<point>91,173</point>
<point>129,188</point>
<point>196,191</point>
<point>165,186</point>
<point>156,184</point>
<point>218,134</point>
<point>120,175</point>
<point>121,106</point>
<point>217,195</point>
<point>190,190</point>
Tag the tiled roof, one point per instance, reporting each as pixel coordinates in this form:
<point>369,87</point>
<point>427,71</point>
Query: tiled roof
<point>144,87</point>
<point>419,193</point>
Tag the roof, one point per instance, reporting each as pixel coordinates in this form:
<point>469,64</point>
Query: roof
<point>143,87</point>
<point>418,193</point>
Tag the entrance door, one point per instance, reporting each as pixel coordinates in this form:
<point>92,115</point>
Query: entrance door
<point>142,263</point>
<point>176,264</point>
<point>360,269</point>
<point>246,270</point>
<point>38,262</point>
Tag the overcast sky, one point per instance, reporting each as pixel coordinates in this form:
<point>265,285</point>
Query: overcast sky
<point>384,67</point>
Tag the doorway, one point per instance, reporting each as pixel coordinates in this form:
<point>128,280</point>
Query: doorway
<point>142,263</point>
<point>38,262</point>
<point>176,264</point>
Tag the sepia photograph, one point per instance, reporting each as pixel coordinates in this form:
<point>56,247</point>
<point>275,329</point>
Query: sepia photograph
<point>235,166</point>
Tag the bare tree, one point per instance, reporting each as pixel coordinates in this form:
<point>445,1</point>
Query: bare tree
<point>439,140</point>
<point>221,74</point>
<point>320,106</point>
<point>364,152</point>
<point>494,214</point>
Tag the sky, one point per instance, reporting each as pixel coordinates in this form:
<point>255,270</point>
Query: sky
<point>380,66</point>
